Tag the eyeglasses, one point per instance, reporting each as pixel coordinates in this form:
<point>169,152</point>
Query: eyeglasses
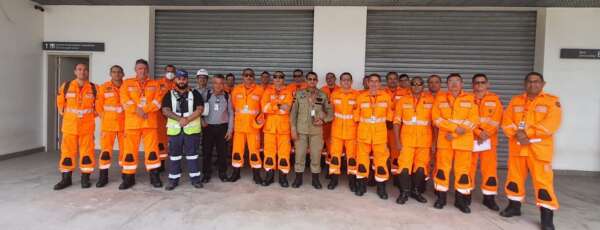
<point>416,83</point>
<point>311,79</point>
<point>479,82</point>
<point>278,76</point>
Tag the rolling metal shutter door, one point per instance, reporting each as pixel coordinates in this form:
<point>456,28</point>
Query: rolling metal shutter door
<point>229,41</point>
<point>497,43</point>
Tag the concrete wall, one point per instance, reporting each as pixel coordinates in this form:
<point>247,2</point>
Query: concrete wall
<point>577,83</point>
<point>123,29</point>
<point>21,99</point>
<point>339,42</point>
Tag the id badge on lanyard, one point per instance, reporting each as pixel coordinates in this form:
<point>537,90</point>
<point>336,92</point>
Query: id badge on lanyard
<point>216,105</point>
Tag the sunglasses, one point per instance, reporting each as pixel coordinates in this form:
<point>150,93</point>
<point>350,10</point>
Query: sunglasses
<point>417,84</point>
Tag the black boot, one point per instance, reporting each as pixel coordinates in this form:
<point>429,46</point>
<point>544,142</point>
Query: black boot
<point>415,191</point>
<point>205,177</point>
<point>297,181</point>
<point>65,181</point>
<point>256,176</point>
<point>423,186</point>
<point>396,180</point>
<point>155,178</point>
<point>333,182</point>
<point>468,199</point>
<point>403,197</point>
<point>361,186</point>
<point>546,218</point>
<point>513,209</point>
<point>172,184</point>
<point>381,192</point>
<point>269,178</point>
<point>85,180</point>
<point>352,183</point>
<point>371,182</point>
<point>102,179</point>
<point>128,181</point>
<point>315,181</point>
<point>490,202</point>
<point>223,176</point>
<point>162,166</point>
<point>460,202</point>
<point>283,182</point>
<point>235,175</point>
<point>441,200</point>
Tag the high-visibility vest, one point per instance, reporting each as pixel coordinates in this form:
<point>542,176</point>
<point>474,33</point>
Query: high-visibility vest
<point>173,127</point>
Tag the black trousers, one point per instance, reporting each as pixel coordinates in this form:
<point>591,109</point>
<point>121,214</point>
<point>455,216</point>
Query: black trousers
<point>214,136</point>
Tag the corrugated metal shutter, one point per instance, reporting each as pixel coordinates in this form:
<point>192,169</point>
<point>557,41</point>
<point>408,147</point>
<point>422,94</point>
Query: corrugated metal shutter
<point>497,43</point>
<point>229,41</point>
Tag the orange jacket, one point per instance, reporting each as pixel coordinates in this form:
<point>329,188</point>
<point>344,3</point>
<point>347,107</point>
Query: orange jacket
<point>328,91</point>
<point>490,115</point>
<point>294,87</point>
<point>246,103</point>
<point>449,113</point>
<point>540,118</point>
<point>77,108</point>
<point>415,117</point>
<point>146,95</point>
<point>165,85</point>
<point>108,106</point>
<point>277,119</point>
<point>344,105</point>
<point>372,114</point>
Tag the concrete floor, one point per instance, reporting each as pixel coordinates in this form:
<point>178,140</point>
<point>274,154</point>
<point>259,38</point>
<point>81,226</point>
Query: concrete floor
<point>27,201</point>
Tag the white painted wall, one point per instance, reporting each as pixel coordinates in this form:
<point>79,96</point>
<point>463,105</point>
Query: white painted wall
<point>577,83</point>
<point>123,29</point>
<point>339,42</point>
<point>21,75</point>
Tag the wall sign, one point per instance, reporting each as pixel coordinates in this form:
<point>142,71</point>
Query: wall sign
<point>580,53</point>
<point>73,46</point>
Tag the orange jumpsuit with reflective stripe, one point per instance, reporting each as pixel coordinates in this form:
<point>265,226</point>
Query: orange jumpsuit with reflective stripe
<point>277,128</point>
<point>112,118</point>
<point>78,114</point>
<point>145,95</point>
<point>448,114</point>
<point>327,125</point>
<point>540,118</point>
<point>415,133</point>
<point>165,86</point>
<point>246,103</point>
<point>396,94</point>
<point>490,115</point>
<point>343,130</point>
<point>371,115</point>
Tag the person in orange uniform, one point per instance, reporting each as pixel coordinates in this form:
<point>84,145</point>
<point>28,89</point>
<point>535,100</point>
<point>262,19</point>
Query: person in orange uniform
<point>265,80</point>
<point>229,82</point>
<point>373,114</point>
<point>490,115</point>
<point>108,106</point>
<point>75,103</point>
<point>412,129</point>
<point>140,97</point>
<point>530,121</point>
<point>166,84</point>
<point>276,104</point>
<point>392,87</point>
<point>434,85</point>
<point>328,88</point>
<point>298,81</point>
<point>456,115</point>
<point>343,135</point>
<point>248,120</point>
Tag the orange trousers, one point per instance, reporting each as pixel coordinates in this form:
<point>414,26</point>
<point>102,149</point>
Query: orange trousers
<point>71,145</point>
<point>413,158</point>
<point>239,142</point>
<point>337,146</point>
<point>107,143</point>
<point>488,166</point>
<point>132,144</point>
<point>461,166</point>
<point>277,152</point>
<point>380,158</point>
<point>394,153</point>
<point>542,177</point>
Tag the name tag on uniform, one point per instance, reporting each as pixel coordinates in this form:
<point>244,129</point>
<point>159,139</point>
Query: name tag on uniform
<point>313,112</point>
<point>216,106</point>
<point>246,109</point>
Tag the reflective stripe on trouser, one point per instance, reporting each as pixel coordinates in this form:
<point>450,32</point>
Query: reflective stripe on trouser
<point>413,158</point>
<point>239,142</point>
<point>394,153</point>
<point>542,177</point>
<point>488,166</point>
<point>380,158</point>
<point>68,152</point>
<point>337,145</point>
<point>304,142</point>
<point>277,152</point>
<point>462,165</point>
<point>132,144</point>
<point>184,147</point>
<point>107,142</point>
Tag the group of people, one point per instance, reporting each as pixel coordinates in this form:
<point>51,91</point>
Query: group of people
<point>402,131</point>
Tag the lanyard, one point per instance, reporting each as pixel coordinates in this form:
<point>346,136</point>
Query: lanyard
<point>141,86</point>
<point>416,103</point>
<point>373,103</point>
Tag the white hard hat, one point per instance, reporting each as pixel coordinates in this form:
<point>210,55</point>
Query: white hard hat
<point>202,72</point>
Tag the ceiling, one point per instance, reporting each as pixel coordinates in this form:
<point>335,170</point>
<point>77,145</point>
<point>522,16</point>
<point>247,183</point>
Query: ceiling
<point>455,3</point>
